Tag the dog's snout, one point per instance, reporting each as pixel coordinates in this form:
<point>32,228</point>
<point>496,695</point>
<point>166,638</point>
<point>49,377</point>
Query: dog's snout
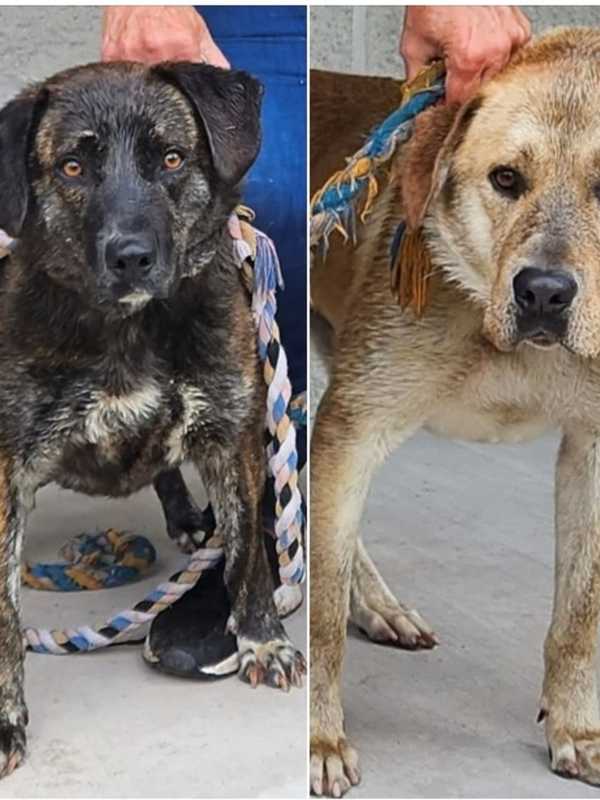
<point>544,292</point>
<point>130,255</point>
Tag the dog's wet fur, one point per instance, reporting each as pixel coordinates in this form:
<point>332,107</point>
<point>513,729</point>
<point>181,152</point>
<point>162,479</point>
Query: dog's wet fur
<point>127,344</point>
<point>507,191</point>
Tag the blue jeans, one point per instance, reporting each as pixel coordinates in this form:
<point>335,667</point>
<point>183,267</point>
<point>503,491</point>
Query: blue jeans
<point>270,43</point>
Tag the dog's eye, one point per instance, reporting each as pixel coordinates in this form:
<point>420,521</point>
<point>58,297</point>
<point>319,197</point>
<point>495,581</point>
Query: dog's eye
<point>173,160</point>
<point>508,181</point>
<point>72,168</point>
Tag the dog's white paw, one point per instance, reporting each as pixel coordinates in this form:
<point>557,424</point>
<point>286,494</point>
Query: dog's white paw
<point>276,663</point>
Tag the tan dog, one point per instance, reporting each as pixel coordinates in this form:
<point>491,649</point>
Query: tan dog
<point>508,192</point>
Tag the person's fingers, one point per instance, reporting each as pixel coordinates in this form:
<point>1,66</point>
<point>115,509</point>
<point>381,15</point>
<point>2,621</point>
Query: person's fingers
<point>476,42</point>
<point>151,34</point>
<point>460,86</point>
<point>469,64</point>
<point>524,27</point>
<point>211,54</point>
<point>416,53</point>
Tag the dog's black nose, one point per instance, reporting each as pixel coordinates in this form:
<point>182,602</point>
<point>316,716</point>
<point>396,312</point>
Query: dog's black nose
<point>130,255</point>
<point>543,292</point>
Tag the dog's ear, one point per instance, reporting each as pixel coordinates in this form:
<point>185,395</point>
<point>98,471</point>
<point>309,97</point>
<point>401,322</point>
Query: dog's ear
<point>228,103</point>
<point>16,127</point>
<point>425,168</point>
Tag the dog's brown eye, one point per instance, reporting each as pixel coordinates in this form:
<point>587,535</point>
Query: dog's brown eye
<point>72,168</point>
<point>508,181</point>
<point>173,160</point>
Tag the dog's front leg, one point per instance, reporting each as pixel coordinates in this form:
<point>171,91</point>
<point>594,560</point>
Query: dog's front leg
<point>348,442</point>
<point>13,712</point>
<point>569,701</point>
<point>234,481</point>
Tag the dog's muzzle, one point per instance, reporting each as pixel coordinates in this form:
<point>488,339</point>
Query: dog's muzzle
<point>543,298</point>
<point>133,268</point>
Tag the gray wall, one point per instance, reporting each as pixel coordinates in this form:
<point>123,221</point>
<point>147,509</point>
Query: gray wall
<point>38,41</point>
<point>364,39</point>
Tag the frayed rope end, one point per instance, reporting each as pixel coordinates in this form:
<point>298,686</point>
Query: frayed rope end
<point>411,270</point>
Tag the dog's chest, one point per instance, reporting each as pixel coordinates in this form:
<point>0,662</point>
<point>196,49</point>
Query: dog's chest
<point>119,442</point>
<point>507,398</point>
<point>498,422</point>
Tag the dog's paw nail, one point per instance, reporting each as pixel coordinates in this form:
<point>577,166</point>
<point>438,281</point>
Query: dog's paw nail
<point>542,714</point>
<point>297,679</point>
<point>353,775</point>
<point>277,680</point>
<point>252,674</point>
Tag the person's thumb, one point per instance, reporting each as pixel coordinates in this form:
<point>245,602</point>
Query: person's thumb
<point>416,53</point>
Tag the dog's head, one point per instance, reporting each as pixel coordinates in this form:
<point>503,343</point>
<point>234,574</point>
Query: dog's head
<point>118,178</point>
<point>508,191</point>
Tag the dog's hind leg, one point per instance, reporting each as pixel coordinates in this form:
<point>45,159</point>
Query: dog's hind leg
<point>13,712</point>
<point>187,523</point>
<point>569,702</point>
<point>375,610</point>
<point>190,526</point>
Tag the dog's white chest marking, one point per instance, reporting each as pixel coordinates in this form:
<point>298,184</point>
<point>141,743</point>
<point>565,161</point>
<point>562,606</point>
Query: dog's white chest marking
<point>108,414</point>
<point>194,404</point>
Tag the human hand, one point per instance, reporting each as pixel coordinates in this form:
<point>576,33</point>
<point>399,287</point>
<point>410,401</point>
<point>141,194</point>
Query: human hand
<point>475,42</point>
<point>151,34</point>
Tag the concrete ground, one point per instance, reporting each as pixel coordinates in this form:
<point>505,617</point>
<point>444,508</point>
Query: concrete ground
<point>462,532</point>
<point>106,725</point>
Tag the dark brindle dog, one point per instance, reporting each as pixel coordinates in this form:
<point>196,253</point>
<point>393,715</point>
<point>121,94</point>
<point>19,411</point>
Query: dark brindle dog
<point>127,344</point>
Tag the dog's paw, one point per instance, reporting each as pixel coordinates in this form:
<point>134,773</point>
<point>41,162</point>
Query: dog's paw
<point>12,747</point>
<point>576,755</point>
<point>333,767</point>
<point>276,663</point>
<point>189,541</point>
<point>190,527</point>
<point>387,622</point>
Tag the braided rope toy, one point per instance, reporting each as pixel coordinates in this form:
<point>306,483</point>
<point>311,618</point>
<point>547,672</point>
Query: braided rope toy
<point>262,276</point>
<point>335,206</point>
<point>94,561</point>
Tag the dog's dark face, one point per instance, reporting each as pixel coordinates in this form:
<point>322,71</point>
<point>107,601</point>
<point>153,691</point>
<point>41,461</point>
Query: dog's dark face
<point>130,170</point>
